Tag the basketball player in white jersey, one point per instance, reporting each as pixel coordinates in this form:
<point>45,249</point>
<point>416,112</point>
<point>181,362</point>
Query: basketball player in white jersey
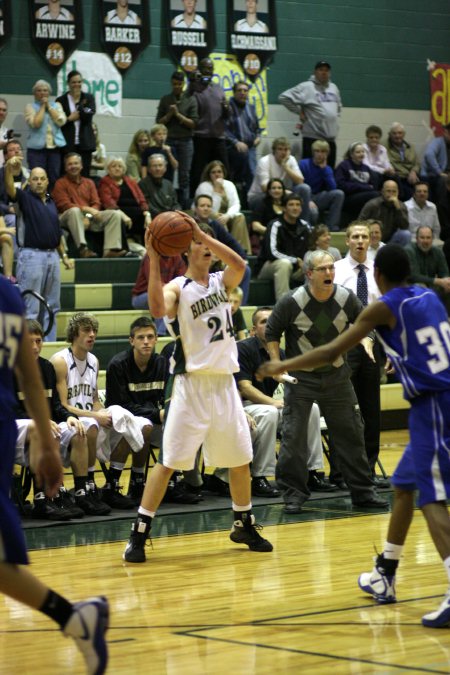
<point>205,407</point>
<point>77,374</point>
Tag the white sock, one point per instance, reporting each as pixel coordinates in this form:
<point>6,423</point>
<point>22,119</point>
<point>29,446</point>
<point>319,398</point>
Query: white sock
<point>241,508</point>
<point>392,551</point>
<point>145,512</point>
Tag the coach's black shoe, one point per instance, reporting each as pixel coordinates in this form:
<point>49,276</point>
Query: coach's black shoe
<point>247,533</point>
<point>317,483</point>
<point>48,509</point>
<point>292,507</point>
<point>375,502</point>
<point>135,549</point>
<point>381,482</point>
<point>262,488</point>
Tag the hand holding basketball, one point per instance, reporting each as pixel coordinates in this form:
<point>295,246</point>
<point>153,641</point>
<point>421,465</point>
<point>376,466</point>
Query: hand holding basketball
<point>171,233</point>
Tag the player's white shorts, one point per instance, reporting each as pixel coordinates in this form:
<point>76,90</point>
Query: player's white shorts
<point>206,409</point>
<point>22,455</point>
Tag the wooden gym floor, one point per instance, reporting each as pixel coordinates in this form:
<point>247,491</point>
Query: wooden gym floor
<point>202,605</point>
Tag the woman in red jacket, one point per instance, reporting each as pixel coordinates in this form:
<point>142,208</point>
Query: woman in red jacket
<point>119,192</point>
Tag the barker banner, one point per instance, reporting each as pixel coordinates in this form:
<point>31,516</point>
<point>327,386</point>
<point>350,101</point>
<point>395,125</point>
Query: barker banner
<point>440,96</point>
<point>125,30</point>
<point>56,29</point>
<point>5,22</point>
<point>252,31</point>
<point>190,31</point>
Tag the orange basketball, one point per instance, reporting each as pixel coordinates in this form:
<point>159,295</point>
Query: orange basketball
<point>171,232</point>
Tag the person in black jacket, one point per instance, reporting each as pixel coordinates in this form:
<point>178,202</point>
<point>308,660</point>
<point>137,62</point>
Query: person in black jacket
<point>72,439</point>
<point>79,107</point>
<point>135,379</point>
<point>284,245</point>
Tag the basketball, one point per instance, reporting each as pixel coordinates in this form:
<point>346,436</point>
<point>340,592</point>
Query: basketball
<point>171,232</point>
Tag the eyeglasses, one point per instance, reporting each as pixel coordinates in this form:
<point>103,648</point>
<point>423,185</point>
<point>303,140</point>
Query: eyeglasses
<point>324,268</point>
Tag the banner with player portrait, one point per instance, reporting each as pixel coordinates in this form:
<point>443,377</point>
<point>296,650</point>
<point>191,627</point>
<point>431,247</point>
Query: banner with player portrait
<point>252,33</point>
<point>5,22</point>
<point>56,29</point>
<point>191,31</point>
<point>125,26</point>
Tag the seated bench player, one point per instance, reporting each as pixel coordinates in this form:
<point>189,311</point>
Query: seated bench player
<point>70,431</point>
<point>113,429</point>
<point>135,379</point>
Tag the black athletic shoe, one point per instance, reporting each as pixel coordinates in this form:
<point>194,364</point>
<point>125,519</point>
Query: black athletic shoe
<point>69,503</point>
<point>136,490</point>
<point>112,495</point>
<point>176,493</point>
<point>248,534</point>
<point>48,509</point>
<point>90,503</point>
<point>135,549</point>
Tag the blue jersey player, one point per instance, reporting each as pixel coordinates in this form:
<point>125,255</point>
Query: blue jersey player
<point>86,622</point>
<point>414,329</point>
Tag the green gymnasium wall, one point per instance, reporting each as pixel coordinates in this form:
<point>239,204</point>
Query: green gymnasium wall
<point>378,49</point>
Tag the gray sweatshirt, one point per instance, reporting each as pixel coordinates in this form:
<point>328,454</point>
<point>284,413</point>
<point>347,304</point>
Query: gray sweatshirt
<point>320,104</point>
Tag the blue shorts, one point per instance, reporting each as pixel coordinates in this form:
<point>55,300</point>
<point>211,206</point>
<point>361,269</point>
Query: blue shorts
<point>12,542</point>
<point>425,464</point>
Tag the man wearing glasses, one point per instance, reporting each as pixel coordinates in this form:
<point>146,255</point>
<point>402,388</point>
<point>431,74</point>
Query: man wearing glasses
<point>310,316</point>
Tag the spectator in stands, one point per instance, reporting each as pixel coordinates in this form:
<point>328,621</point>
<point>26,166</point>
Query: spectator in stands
<point>203,213</point>
<point>118,192</point>
<point>45,137</point>
<point>141,141</point>
<point>422,212</point>
<point>375,234</point>
<point>284,245</point>
<point>239,326</point>
<point>436,164</point>
<point>404,160</point>
<point>391,212</point>
<point>5,133</point>
<point>356,180</point>
<point>376,157</point>
<point>159,192</point>
<point>428,264</point>
<point>318,104</point>
<point>270,208</point>
<point>79,206</point>
<point>135,380</point>
<point>40,240</point>
<point>226,204</point>
<point>297,315</point>
<point>170,268</point>
<point>243,136</point>
<point>320,178</point>
<point>319,239</point>
<point>179,112</point>
<point>79,108</point>
<point>98,160</point>
<point>159,146</point>
<point>279,164</point>
<point>71,435</point>
<point>213,110</point>
<point>20,176</point>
